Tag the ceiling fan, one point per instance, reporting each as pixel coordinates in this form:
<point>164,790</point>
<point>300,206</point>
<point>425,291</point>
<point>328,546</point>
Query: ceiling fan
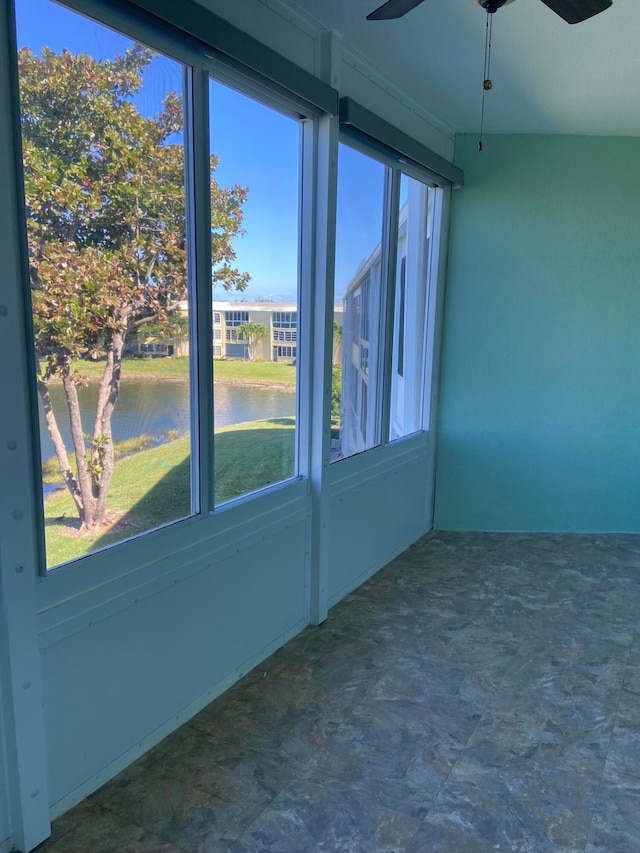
<point>572,11</point>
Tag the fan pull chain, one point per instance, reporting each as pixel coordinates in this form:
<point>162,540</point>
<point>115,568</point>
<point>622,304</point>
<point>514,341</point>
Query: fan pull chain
<point>487,85</point>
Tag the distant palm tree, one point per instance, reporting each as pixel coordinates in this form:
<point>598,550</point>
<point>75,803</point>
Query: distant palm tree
<point>252,333</point>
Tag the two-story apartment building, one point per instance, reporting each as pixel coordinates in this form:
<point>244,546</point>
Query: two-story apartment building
<point>279,318</point>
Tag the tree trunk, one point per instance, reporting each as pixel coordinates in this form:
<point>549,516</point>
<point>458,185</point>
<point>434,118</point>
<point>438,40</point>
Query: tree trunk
<point>102,451</point>
<point>68,476</point>
<point>87,510</point>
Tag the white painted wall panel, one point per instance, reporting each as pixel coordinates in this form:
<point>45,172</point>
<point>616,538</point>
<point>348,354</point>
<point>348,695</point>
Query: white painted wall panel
<point>111,685</point>
<point>374,516</point>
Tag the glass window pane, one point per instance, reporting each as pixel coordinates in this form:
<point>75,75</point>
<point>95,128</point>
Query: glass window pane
<point>104,182</point>
<point>255,163</point>
<point>357,319</point>
<point>415,225</point>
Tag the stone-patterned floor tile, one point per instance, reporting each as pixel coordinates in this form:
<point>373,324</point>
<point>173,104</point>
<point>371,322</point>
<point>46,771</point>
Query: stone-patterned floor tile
<point>66,822</point>
<point>100,831</point>
<point>517,740</point>
<point>294,707</point>
<point>320,815</point>
<point>138,767</point>
<point>480,693</point>
<point>418,676</point>
<point>570,693</point>
<point>634,651</point>
<point>615,827</point>
<point>396,751</point>
<point>202,798</point>
<point>632,679</point>
<point>527,813</point>
<point>624,750</point>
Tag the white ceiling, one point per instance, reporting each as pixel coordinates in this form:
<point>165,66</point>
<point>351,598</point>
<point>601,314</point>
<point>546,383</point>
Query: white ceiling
<point>548,76</point>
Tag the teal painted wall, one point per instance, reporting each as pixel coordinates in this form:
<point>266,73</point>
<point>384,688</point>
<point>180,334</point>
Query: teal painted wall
<point>540,400</point>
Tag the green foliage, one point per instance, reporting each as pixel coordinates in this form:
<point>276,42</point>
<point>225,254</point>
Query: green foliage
<point>336,392</point>
<point>176,323</point>
<point>252,333</point>
<point>336,353</point>
<point>253,330</point>
<point>105,201</point>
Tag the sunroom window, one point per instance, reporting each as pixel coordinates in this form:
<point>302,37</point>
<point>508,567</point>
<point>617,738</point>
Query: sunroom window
<point>359,295</point>
<point>413,277</point>
<point>116,221</point>
<point>104,169</point>
<point>383,275</point>
<point>257,152</point>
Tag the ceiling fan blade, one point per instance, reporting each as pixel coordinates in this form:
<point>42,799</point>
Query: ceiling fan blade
<point>575,11</point>
<point>393,9</point>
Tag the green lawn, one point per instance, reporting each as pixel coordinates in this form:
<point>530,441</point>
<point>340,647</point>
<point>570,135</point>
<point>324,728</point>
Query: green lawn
<point>152,487</point>
<point>177,369</point>
<point>260,371</point>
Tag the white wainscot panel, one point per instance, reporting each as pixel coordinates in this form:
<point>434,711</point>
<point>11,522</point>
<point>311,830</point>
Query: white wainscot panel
<point>118,685</point>
<point>376,514</point>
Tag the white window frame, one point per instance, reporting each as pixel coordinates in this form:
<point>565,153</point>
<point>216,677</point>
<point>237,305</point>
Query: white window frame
<point>379,410</point>
<point>74,576</point>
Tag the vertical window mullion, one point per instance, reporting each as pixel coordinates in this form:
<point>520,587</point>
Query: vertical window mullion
<point>389,260</point>
<point>435,304</point>
<point>197,154</point>
<point>305,315</point>
<point>320,302</point>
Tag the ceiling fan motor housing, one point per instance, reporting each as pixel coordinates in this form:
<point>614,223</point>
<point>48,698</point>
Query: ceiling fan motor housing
<point>491,6</point>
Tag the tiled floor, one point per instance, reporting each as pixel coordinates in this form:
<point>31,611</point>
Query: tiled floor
<point>481,693</point>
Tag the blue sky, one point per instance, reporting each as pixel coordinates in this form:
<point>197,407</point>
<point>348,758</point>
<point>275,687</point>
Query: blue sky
<point>258,148</point>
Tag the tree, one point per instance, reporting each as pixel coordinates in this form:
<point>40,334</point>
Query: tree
<point>174,328</point>
<point>105,203</point>
<point>337,343</point>
<point>336,393</point>
<point>252,333</point>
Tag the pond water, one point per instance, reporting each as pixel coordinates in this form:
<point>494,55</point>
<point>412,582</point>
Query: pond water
<point>161,409</point>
